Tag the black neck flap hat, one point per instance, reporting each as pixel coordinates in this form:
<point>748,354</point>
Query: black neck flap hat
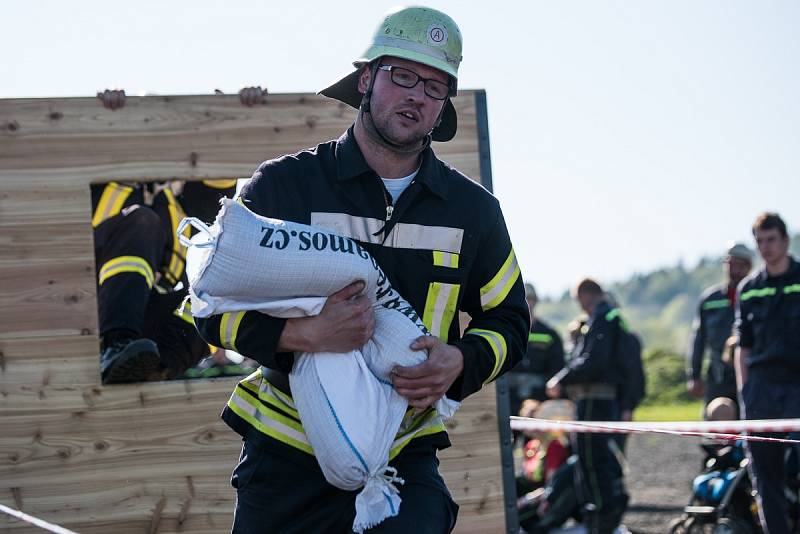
<point>417,34</point>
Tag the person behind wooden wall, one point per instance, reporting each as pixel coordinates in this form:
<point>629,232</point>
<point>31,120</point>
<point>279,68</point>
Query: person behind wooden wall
<point>144,334</point>
<point>439,237</point>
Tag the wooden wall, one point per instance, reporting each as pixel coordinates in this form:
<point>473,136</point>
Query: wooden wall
<point>148,457</point>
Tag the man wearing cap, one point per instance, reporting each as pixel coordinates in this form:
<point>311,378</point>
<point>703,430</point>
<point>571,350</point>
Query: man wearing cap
<point>767,362</point>
<point>543,358</point>
<point>713,325</point>
<point>442,241</point>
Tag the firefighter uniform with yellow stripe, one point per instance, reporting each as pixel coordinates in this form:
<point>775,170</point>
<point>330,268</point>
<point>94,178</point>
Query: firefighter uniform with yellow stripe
<point>768,323</point>
<point>712,327</point>
<point>443,245</point>
<point>141,276</point>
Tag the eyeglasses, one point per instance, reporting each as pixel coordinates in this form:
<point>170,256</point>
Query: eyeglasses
<point>407,78</point>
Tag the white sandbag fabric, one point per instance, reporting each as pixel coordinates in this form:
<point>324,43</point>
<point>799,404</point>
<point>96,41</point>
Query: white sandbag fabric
<point>349,409</point>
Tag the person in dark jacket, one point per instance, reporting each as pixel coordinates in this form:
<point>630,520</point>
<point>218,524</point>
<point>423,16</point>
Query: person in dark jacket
<point>544,358</point>
<point>767,362</point>
<point>145,334</point>
<point>592,379</point>
<point>441,240</point>
<point>713,325</point>
<point>633,385</point>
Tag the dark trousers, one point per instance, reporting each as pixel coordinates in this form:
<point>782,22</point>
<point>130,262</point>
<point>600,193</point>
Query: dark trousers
<point>126,302</point>
<point>600,483</point>
<point>284,493</point>
<point>122,298</point>
<point>720,382</point>
<point>763,398</point>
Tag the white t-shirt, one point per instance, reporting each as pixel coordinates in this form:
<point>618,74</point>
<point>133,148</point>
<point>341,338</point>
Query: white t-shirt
<point>396,186</point>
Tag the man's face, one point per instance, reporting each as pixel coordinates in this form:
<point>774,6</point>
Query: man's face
<point>401,114</point>
<point>771,245</point>
<point>584,301</point>
<point>736,269</point>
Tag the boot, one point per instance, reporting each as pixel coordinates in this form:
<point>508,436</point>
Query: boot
<point>132,360</point>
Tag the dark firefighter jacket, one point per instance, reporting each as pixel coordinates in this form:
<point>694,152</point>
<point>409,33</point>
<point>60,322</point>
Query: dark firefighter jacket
<point>768,322</point>
<point>713,325</point>
<point>543,359</point>
<point>443,245</point>
<point>595,357</point>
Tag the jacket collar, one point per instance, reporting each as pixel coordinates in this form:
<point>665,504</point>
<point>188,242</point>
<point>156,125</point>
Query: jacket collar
<point>350,163</point>
<point>792,272</point>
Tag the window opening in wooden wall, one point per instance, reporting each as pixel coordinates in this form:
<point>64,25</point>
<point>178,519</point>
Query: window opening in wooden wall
<point>145,323</point>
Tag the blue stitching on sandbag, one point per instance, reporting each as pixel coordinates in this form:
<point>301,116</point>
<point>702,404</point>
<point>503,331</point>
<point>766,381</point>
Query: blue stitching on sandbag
<point>344,434</point>
<point>391,505</point>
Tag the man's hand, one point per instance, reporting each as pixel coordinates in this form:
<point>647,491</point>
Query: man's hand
<point>696,388</point>
<point>553,389</point>
<point>427,382</point>
<point>252,96</point>
<point>345,323</point>
<point>112,98</point>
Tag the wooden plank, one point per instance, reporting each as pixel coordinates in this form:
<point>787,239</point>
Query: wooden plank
<point>148,457</point>
<point>49,361</point>
<point>178,137</point>
<point>48,298</point>
<point>133,430</point>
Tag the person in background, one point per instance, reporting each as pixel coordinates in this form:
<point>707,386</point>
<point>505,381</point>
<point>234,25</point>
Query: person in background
<point>543,358</point>
<point>767,362</point>
<point>592,380</point>
<point>712,326</point>
<point>633,387</point>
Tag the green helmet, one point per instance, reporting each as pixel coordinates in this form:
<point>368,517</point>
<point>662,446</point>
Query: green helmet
<point>418,34</point>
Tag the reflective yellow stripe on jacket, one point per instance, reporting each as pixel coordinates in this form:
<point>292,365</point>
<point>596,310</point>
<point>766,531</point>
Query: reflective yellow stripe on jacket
<point>229,329</point>
<point>499,348</point>
<point>440,308</point>
<point>177,259</point>
<point>111,202</point>
<point>126,264</point>
<point>272,412</point>
<point>493,293</point>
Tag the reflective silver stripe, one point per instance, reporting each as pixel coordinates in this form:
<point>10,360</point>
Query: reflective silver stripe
<point>440,308</point>
<point>493,293</point>
<point>229,329</point>
<point>403,235</point>
<point>126,264</point>
<point>111,201</point>
<point>269,422</point>
<point>247,409</point>
<point>445,259</point>
<point>498,344</point>
<point>359,228</point>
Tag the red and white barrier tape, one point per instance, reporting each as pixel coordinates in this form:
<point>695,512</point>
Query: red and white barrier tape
<point>35,521</point>
<point>725,430</point>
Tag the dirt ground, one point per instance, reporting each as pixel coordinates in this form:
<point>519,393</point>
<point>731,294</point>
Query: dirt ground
<point>660,472</point>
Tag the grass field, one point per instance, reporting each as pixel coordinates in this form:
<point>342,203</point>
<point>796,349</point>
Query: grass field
<point>689,411</point>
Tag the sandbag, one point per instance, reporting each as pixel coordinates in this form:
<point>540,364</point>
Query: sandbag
<point>349,409</point>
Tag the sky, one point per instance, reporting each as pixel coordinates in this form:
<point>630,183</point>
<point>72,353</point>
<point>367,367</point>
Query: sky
<point>625,135</point>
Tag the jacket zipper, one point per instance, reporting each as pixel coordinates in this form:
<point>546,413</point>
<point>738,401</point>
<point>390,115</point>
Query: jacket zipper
<point>389,206</point>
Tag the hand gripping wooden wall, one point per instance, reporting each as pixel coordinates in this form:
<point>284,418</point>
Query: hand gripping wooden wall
<point>151,457</point>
